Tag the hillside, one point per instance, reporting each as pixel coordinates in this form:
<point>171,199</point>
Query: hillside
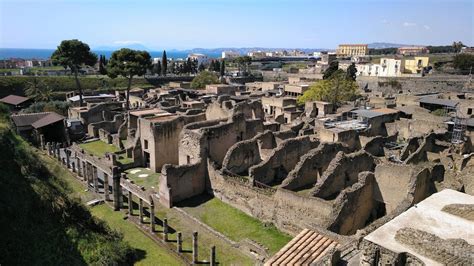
<point>40,224</point>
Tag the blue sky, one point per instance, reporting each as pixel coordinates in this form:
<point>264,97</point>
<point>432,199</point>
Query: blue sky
<point>240,23</point>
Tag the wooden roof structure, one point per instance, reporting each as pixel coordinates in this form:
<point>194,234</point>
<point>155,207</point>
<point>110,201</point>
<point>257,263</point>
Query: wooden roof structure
<point>307,247</point>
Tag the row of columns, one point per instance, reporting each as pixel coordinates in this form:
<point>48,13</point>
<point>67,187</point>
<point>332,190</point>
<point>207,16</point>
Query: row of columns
<point>89,173</point>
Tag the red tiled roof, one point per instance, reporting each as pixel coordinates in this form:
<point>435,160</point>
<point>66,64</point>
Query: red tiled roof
<point>48,120</point>
<point>14,99</point>
<point>36,120</point>
<point>307,247</point>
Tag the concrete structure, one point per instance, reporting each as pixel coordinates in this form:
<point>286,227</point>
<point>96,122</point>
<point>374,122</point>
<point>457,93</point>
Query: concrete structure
<point>416,65</point>
<point>352,50</point>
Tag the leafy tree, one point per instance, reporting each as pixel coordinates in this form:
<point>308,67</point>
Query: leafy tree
<point>463,62</point>
<point>243,62</point>
<point>128,63</point>
<point>333,67</point>
<point>222,68</point>
<point>38,90</point>
<point>457,46</point>
<point>74,54</point>
<point>164,63</point>
<point>335,90</point>
<point>351,72</point>
<point>201,67</point>
<point>204,78</point>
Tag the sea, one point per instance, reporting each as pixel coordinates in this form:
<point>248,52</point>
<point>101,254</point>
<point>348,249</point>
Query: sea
<point>7,53</point>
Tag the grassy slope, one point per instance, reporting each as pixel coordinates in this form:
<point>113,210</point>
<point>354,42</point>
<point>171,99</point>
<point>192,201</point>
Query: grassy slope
<point>237,225</point>
<point>40,224</point>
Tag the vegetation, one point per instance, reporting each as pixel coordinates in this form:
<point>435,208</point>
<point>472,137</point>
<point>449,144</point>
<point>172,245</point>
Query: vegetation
<point>243,63</point>
<point>222,68</point>
<point>73,54</point>
<point>102,64</point>
<point>150,180</point>
<point>98,148</point>
<point>464,62</point>
<point>149,252</point>
<point>204,78</point>
<point>351,73</point>
<point>40,224</point>
<point>59,107</point>
<point>128,63</point>
<point>38,90</point>
<point>383,51</point>
<point>439,112</point>
<point>164,64</point>
<point>333,67</point>
<point>335,89</point>
<point>237,225</point>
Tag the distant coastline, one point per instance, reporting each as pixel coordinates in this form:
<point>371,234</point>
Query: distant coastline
<point>6,53</point>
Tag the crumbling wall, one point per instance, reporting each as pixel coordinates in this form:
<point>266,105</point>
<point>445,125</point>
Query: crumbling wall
<point>282,160</point>
<point>179,182</point>
<point>289,211</point>
<point>375,146</point>
<point>342,172</point>
<point>409,128</point>
<point>311,166</point>
<point>241,156</point>
<point>281,136</point>
<point>110,127</point>
<point>354,205</point>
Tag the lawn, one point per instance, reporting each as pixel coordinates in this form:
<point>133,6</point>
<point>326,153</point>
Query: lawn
<point>98,148</point>
<point>237,225</point>
<point>154,255</point>
<point>144,177</point>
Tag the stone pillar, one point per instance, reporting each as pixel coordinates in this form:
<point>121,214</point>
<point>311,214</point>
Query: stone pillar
<point>152,215</point>
<point>78,163</point>
<point>140,209</point>
<point>116,189</point>
<point>67,158</point>
<point>48,148</point>
<point>212,258</point>
<point>179,242</point>
<point>195,247</point>
<point>106,187</point>
<point>58,151</point>
<point>42,141</point>
<point>84,171</point>
<point>53,149</point>
<point>95,178</point>
<point>73,167</point>
<point>165,229</point>
<point>130,203</point>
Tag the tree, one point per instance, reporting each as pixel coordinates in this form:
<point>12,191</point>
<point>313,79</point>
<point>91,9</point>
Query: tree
<point>157,68</point>
<point>351,72</point>
<point>333,67</point>
<point>464,62</point>
<point>38,90</point>
<point>201,67</point>
<point>102,63</point>
<point>74,54</point>
<point>335,90</point>
<point>458,46</point>
<point>164,63</point>
<point>204,78</point>
<point>222,68</point>
<point>128,63</point>
<point>243,62</point>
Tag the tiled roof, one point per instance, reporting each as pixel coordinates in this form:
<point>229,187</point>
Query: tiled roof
<point>36,120</point>
<point>14,99</point>
<point>307,247</point>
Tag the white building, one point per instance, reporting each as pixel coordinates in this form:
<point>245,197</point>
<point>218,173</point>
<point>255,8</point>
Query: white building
<point>388,67</point>
<point>201,58</point>
<point>230,54</point>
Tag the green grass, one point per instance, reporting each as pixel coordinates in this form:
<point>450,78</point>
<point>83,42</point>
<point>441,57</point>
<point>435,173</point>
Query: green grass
<point>148,182</point>
<point>237,225</point>
<point>154,255</point>
<point>98,148</point>
<point>6,70</point>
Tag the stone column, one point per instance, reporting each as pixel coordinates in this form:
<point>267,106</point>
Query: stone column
<point>116,189</point>
<point>130,203</point>
<point>73,167</point>
<point>212,258</point>
<point>95,178</point>
<point>84,171</point>
<point>53,149</point>
<point>179,242</point>
<point>140,209</point>
<point>67,158</point>
<point>165,229</point>
<point>78,163</point>
<point>106,187</point>
<point>42,141</point>
<point>152,215</point>
<point>48,148</point>
<point>195,247</point>
<point>58,151</point>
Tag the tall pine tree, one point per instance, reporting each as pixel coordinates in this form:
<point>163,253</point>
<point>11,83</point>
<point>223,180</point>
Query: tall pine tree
<point>222,68</point>
<point>164,64</point>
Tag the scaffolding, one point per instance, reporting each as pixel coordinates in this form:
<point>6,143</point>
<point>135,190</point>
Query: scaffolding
<point>459,127</point>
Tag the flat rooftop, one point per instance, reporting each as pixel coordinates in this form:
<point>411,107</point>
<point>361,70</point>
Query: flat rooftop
<point>161,117</point>
<point>427,216</point>
<point>147,112</point>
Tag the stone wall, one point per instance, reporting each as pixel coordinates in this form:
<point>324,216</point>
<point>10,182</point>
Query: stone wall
<point>241,156</point>
<point>409,128</point>
<point>282,160</point>
<point>342,172</point>
<point>354,205</point>
<point>311,166</point>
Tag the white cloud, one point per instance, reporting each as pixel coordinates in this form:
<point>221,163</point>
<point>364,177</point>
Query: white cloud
<point>409,24</point>
<point>427,27</point>
<point>127,42</point>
